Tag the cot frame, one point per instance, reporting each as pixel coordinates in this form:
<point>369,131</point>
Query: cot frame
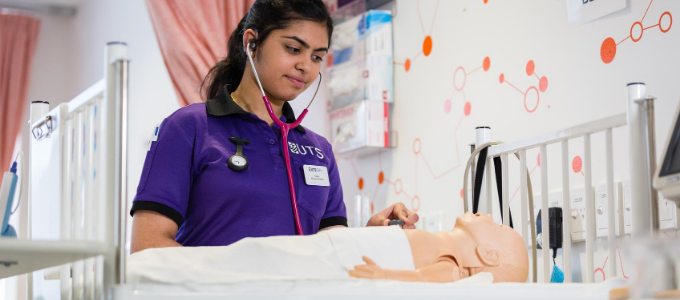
<point>86,142</point>
<point>645,220</point>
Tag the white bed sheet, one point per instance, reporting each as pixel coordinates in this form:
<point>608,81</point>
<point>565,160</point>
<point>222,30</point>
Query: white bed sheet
<point>356,289</point>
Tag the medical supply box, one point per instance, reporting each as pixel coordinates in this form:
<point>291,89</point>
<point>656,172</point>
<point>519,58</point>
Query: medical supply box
<point>362,62</point>
<point>361,125</point>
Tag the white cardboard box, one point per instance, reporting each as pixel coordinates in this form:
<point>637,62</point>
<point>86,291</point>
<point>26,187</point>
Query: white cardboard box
<point>360,125</point>
<point>362,62</point>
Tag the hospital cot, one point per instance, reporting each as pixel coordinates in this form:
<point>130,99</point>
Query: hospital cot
<point>77,174</point>
<point>639,121</point>
<point>78,180</point>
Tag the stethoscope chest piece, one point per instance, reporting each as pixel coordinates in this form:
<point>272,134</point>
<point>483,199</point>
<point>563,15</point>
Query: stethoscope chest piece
<point>238,162</point>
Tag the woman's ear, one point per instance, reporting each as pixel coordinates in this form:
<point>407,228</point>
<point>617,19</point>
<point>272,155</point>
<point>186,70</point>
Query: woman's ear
<point>488,255</point>
<point>249,39</point>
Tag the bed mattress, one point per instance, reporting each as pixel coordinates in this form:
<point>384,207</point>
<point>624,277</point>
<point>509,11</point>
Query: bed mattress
<point>356,289</point>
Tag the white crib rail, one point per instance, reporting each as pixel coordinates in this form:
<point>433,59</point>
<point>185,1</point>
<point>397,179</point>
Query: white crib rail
<point>566,203</point>
<point>564,136</point>
<point>79,143</point>
<point>89,135</point>
<point>640,121</point>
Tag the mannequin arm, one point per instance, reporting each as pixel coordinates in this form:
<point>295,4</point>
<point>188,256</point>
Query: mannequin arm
<point>441,271</point>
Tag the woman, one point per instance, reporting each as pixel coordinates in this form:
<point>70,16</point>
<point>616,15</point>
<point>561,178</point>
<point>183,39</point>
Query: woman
<point>190,195</point>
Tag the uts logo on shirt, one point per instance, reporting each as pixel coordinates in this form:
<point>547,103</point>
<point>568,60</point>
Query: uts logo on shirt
<point>305,150</point>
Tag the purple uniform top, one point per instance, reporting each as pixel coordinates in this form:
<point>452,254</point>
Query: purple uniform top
<point>186,176</point>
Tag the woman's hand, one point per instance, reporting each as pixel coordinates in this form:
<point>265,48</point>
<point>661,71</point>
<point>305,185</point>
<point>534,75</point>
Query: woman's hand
<point>396,211</point>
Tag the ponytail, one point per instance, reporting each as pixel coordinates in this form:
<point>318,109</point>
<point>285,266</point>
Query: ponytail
<point>230,69</point>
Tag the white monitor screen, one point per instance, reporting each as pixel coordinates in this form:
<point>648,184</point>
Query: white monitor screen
<point>671,162</point>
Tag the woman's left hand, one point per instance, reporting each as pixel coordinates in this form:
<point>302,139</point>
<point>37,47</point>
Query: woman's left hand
<point>395,211</point>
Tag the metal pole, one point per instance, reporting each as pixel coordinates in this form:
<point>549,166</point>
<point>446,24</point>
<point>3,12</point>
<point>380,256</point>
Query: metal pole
<point>639,180</point>
<point>109,171</point>
<point>650,141</point>
<point>121,165</point>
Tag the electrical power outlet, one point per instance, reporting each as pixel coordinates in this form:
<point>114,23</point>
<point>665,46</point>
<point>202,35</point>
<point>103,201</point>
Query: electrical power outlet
<point>578,214</point>
<point>668,217</point>
<point>602,209</point>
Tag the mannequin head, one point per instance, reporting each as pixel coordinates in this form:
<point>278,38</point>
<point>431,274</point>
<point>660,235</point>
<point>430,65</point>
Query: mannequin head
<point>481,245</point>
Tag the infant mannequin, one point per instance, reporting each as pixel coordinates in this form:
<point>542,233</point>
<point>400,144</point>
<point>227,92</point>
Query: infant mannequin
<point>476,244</point>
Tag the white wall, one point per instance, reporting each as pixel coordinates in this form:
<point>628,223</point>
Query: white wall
<point>580,88</point>
<point>70,57</point>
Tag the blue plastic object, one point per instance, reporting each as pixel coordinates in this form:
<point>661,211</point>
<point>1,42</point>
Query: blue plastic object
<point>7,230</point>
<point>557,275</point>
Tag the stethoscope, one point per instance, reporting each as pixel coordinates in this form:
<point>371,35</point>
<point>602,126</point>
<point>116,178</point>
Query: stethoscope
<point>239,161</point>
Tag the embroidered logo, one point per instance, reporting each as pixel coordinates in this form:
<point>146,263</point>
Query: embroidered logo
<point>293,148</point>
<point>306,150</point>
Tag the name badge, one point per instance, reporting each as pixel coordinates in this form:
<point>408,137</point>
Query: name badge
<point>154,136</point>
<point>316,175</point>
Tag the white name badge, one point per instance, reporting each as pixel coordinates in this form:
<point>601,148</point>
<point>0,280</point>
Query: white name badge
<point>154,136</point>
<point>316,175</point>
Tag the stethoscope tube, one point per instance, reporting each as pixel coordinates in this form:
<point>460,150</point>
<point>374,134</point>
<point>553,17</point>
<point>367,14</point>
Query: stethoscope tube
<point>285,127</point>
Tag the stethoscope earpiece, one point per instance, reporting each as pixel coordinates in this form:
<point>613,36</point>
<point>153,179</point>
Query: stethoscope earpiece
<point>249,49</point>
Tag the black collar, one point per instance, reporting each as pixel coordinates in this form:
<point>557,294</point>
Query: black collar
<point>223,105</point>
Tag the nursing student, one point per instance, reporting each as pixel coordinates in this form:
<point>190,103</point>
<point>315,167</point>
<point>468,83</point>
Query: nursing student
<point>217,172</point>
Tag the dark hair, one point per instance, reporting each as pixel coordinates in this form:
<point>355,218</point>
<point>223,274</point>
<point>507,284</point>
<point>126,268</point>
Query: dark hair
<point>264,17</point>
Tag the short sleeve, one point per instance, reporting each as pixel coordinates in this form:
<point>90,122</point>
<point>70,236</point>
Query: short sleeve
<point>336,213</point>
<point>165,182</point>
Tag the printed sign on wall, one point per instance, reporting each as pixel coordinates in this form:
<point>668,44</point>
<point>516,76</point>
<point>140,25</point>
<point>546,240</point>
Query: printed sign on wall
<point>582,11</point>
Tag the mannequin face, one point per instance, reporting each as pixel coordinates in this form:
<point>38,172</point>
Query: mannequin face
<point>289,59</point>
<point>482,244</point>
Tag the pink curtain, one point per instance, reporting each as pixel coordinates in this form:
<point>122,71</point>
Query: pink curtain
<point>18,38</point>
<point>193,36</point>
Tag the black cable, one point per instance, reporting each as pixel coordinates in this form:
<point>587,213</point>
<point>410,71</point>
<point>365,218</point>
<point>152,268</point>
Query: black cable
<point>499,187</point>
<point>479,176</point>
<point>481,164</point>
